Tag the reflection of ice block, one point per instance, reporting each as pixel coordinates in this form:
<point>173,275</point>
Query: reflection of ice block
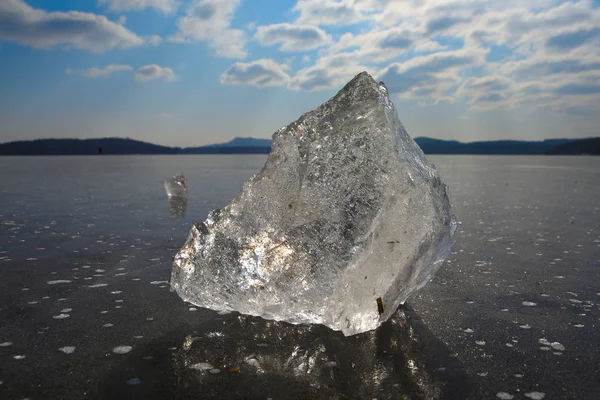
<point>177,205</point>
<point>176,186</point>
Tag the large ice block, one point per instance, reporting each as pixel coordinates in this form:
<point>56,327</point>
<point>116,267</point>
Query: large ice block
<point>345,221</point>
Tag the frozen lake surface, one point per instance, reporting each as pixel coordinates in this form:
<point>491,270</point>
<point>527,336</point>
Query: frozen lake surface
<point>86,312</point>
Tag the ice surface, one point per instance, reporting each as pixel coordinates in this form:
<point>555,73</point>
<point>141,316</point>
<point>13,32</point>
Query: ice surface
<point>345,221</point>
<point>176,187</point>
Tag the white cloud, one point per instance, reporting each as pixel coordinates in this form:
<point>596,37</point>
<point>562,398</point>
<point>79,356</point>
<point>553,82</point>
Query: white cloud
<point>261,73</point>
<point>400,42</point>
<point>154,40</point>
<point>433,75</point>
<point>328,72</point>
<point>95,72</point>
<point>292,37</point>
<point>164,6</point>
<point>151,72</point>
<point>329,12</point>
<point>37,28</point>
<point>210,21</point>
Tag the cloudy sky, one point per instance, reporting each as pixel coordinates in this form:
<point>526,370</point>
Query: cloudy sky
<point>193,72</point>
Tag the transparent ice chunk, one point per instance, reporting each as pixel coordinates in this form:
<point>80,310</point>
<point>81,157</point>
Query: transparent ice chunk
<point>345,221</point>
<point>175,186</point>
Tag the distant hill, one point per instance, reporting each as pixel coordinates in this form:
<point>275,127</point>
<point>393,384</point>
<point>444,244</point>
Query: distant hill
<point>237,145</point>
<point>83,147</point>
<point>244,142</point>
<point>578,147</point>
<point>262,146</point>
<point>496,147</point>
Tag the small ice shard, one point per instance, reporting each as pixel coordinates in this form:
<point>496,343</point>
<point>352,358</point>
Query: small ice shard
<point>504,396</point>
<point>557,346</point>
<point>122,349</point>
<point>345,221</point>
<point>535,395</point>
<point>175,186</point>
<point>67,349</point>
<point>202,366</point>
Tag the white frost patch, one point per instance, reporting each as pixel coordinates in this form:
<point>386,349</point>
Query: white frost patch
<point>138,337</point>
<point>468,330</point>
<point>504,396</point>
<point>482,374</point>
<point>158,282</point>
<point>122,349</point>
<point>557,346</point>
<point>526,326</point>
<point>545,348</point>
<point>193,309</point>
<point>66,310</point>
<point>224,312</point>
<point>67,349</point>
<point>480,343</point>
<point>56,282</point>
<point>509,345</point>
<point>97,285</point>
<point>579,326</point>
<point>108,325</point>
<point>61,316</point>
<point>535,395</point>
<point>5,344</point>
<point>202,366</point>
<point>529,303</point>
<point>215,371</point>
<point>116,292</point>
<point>19,357</point>
<point>253,362</point>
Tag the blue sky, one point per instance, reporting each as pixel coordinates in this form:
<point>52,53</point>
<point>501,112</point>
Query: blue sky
<point>194,72</point>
